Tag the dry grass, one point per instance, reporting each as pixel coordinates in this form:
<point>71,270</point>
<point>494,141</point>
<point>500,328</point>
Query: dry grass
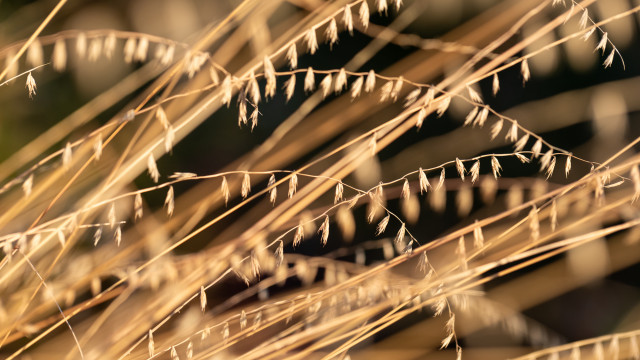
<point>306,179</point>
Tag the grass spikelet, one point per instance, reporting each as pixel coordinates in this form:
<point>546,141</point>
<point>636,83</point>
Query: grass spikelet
<point>339,193</point>
<point>59,57</point>
<point>438,199</point>
<point>602,45</point>
<point>341,81</point>
<point>397,87</point>
<point>270,75</point>
<point>356,87</point>
<point>347,19</point>
<point>584,18</point>
<point>97,147</point>
<point>495,85</point>
<point>443,105</point>
<point>137,206</point>
<point>31,85</point>
<point>174,353</point>
<point>423,181</point>
<point>598,351</point>
<point>273,192</point>
<point>496,129</point>
<point>167,58</point>
<point>411,98</point>
<point>97,235</point>
<point>290,86</point>
<point>81,45</point>
<point>575,353</point>
<point>323,230</point>
<point>495,167</point>
<point>440,180</point>
<point>292,56</point>
<point>382,225</point>
<point>422,114</point>
<point>588,34</point>
<point>406,190</point>
<point>109,45</point>
<point>399,239</point>
<point>117,236</point>
<point>309,80</point>
<point>246,185</point>
<point>364,14</point>
<point>152,168</point>
<point>27,185</point>
<point>169,202</point>
<point>129,49</point>
<point>331,32</point>
<point>545,160</point>
<point>242,109</point>
<point>551,167</point>
<point>635,349</point>
<point>460,168</point>
<point>385,91</point>
<point>423,263</point>
<point>512,135</point>
<point>325,85</point>
<point>614,348</point>
<point>474,95</point>
<point>141,50</point>
<point>609,60</point>
<point>524,71</point>
<point>190,350</point>
<point>299,234</point>
<point>478,237</point>
<point>482,117</point>
<point>254,89</point>
<point>151,344</point>
<point>161,116</point>
<point>254,118</point>
<point>226,90</point>
<point>311,40</point>
<point>224,188</point>
<point>35,56</point>
<point>111,216</point>
<point>382,6</point>
<point>293,185</point>
<point>468,120</point>
<point>67,155</point>
<point>521,143</point>
<point>446,341</point>
<point>370,82</point>
<point>475,171</point>
<point>169,138</point>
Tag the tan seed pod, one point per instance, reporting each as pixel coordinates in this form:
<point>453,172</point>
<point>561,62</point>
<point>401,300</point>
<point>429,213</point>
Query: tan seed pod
<point>292,56</point>
<point>311,40</point>
<point>364,14</point>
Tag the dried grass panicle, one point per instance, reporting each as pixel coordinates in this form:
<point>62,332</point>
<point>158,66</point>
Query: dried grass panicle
<point>328,143</point>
